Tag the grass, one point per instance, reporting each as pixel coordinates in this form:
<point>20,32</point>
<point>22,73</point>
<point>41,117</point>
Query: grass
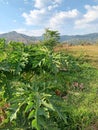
<point>81,97</point>
<point>85,102</point>
<point>88,52</point>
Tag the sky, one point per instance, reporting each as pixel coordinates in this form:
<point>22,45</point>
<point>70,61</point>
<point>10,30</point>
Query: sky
<point>32,17</point>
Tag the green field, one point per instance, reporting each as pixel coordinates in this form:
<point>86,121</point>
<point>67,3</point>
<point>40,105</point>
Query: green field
<point>88,53</point>
<point>43,89</point>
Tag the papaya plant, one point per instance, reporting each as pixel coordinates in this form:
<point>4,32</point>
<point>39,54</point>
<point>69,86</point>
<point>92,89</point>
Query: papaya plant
<point>33,85</point>
<point>33,100</point>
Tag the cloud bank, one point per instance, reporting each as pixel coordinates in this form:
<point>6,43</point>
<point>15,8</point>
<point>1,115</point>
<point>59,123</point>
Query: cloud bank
<point>47,13</point>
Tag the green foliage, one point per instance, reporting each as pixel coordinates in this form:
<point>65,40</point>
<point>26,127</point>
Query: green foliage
<point>31,99</point>
<point>41,89</point>
<point>51,38</point>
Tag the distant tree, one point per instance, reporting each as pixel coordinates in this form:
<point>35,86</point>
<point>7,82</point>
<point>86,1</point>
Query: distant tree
<point>51,37</point>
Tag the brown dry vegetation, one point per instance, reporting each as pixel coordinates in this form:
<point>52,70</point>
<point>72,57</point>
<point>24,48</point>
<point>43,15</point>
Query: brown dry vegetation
<point>89,52</point>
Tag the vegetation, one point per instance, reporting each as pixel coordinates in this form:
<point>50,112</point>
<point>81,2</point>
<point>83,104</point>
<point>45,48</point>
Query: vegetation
<point>42,89</point>
<point>51,38</point>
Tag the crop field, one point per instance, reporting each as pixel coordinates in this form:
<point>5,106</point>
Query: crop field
<point>45,89</point>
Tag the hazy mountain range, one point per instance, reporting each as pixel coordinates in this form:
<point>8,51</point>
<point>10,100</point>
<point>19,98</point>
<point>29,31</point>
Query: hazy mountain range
<point>14,36</point>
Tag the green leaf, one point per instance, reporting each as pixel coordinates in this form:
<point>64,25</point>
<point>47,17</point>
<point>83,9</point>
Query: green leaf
<point>48,105</point>
<point>29,107</point>
<point>43,112</point>
<point>14,115</point>
<point>31,114</point>
<point>35,125</point>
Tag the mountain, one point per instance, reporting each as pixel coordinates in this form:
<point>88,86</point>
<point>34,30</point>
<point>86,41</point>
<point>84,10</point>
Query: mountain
<point>14,36</point>
<point>74,39</point>
<point>91,38</point>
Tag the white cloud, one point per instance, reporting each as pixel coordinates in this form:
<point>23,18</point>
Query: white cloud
<point>42,13</point>
<point>52,7</point>
<point>48,14</point>
<point>44,10</point>
<point>35,17</point>
<point>62,18</point>
<point>89,18</point>
<point>37,32</point>
<point>49,18</point>
<point>45,3</point>
<point>41,3</point>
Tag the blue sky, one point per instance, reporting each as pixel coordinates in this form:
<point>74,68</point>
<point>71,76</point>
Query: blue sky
<point>31,17</point>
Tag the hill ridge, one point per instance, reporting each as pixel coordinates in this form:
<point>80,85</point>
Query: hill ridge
<point>19,37</point>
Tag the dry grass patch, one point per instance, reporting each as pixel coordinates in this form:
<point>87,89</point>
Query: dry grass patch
<point>89,52</point>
